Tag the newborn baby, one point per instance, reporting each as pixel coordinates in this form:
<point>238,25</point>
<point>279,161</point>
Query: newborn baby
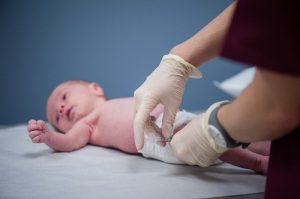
<point>81,113</point>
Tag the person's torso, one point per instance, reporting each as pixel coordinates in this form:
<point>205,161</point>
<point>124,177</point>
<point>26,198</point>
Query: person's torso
<point>112,125</point>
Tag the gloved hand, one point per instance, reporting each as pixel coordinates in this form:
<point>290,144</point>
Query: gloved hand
<point>165,85</point>
<point>194,145</point>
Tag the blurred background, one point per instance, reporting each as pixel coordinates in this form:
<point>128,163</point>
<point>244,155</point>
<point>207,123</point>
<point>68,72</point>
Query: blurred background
<point>112,42</point>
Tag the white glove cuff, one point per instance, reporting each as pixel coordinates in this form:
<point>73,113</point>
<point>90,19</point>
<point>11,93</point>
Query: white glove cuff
<point>192,70</point>
<point>212,142</point>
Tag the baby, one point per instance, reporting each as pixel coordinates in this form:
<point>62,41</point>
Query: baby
<point>81,113</point>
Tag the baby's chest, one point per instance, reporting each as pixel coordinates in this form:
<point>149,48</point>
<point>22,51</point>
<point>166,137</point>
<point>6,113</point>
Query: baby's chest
<point>109,129</point>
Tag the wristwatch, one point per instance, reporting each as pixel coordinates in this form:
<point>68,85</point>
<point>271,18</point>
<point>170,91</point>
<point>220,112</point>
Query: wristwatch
<point>219,133</point>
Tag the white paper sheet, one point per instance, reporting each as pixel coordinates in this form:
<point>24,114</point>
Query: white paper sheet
<point>31,171</point>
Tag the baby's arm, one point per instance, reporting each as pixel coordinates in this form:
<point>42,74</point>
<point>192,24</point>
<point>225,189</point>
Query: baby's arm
<point>77,137</point>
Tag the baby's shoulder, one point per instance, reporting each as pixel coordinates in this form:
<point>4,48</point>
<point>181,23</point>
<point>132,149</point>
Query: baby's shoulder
<point>92,117</point>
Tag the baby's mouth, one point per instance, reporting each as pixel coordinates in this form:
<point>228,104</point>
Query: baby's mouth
<point>69,114</point>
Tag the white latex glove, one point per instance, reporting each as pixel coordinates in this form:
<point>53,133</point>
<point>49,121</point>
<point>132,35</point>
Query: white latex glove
<point>165,85</point>
<point>194,145</point>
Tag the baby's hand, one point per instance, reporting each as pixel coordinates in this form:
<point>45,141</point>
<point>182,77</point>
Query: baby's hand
<point>38,131</point>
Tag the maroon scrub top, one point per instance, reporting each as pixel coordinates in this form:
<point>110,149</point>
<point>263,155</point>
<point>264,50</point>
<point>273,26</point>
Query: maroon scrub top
<point>266,33</point>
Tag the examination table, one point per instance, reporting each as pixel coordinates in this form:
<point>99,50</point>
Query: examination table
<point>29,171</point>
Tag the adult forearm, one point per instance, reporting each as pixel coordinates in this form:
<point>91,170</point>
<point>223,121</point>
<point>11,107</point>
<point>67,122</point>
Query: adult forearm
<point>207,43</point>
<point>267,109</point>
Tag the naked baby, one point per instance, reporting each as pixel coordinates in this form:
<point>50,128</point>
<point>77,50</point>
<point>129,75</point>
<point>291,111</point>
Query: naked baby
<point>82,115</point>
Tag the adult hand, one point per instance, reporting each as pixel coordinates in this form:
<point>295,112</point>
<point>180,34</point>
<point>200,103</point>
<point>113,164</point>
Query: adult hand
<point>195,145</point>
<point>165,85</point>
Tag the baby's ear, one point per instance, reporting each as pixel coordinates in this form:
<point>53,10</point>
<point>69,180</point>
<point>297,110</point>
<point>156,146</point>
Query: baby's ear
<point>96,89</point>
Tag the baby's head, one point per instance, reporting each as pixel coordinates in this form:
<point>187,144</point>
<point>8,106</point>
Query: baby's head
<point>71,101</point>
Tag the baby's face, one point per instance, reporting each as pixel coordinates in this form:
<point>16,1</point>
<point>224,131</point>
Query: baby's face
<point>68,103</point>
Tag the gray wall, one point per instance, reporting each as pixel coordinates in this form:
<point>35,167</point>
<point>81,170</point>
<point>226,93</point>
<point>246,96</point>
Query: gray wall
<point>115,43</point>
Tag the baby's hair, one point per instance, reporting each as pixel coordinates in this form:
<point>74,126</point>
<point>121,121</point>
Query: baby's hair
<point>83,82</point>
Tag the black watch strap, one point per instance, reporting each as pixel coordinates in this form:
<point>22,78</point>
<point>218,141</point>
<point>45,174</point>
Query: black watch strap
<point>213,120</point>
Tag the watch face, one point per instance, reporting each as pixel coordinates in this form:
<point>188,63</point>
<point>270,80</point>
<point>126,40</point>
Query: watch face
<point>216,135</point>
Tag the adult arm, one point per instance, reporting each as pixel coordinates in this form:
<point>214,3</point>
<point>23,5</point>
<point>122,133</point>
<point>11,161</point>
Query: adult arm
<point>267,109</point>
<point>207,43</point>
<point>166,83</point>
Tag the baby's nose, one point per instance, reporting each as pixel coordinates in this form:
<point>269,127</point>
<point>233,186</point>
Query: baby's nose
<point>61,110</point>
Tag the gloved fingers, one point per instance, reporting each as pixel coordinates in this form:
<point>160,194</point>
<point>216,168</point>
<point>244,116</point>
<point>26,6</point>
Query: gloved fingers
<point>138,98</point>
<point>179,147</point>
<point>156,128</point>
<point>192,146</point>
<point>142,115</point>
<point>180,144</point>
<point>150,126</point>
<point>168,121</point>
<point>183,150</point>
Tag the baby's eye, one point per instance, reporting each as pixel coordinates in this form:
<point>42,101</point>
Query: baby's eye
<point>57,119</point>
<point>64,97</point>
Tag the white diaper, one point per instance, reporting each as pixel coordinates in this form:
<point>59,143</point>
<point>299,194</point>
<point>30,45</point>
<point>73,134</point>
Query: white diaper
<point>152,147</point>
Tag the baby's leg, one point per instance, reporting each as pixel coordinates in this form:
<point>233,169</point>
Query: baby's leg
<point>262,148</point>
<point>246,159</point>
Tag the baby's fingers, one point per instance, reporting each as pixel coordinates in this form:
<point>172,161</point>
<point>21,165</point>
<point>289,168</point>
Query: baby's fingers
<point>36,139</point>
<point>42,125</point>
<point>32,121</point>
<point>33,127</point>
<point>33,134</point>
